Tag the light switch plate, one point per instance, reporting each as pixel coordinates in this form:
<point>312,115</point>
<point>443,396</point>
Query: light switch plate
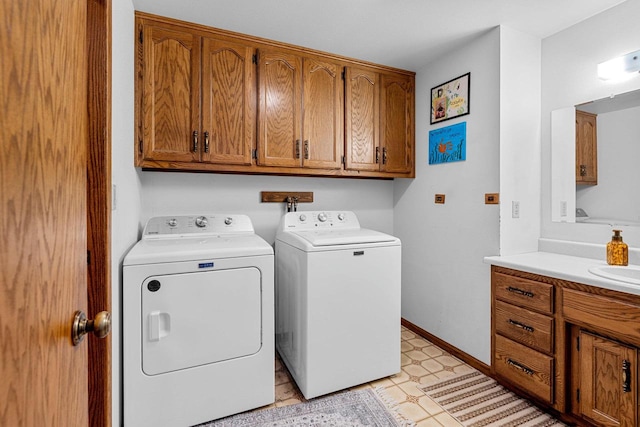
<point>439,199</point>
<point>491,198</point>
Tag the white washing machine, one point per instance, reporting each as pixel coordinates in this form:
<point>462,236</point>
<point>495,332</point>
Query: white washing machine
<point>337,301</point>
<point>198,321</point>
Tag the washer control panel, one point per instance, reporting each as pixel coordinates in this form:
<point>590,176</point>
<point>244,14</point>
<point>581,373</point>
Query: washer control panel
<point>191,225</point>
<point>297,221</point>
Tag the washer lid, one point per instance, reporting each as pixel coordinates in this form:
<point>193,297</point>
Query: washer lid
<point>344,237</point>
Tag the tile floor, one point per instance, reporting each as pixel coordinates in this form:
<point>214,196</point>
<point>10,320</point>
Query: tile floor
<point>421,362</point>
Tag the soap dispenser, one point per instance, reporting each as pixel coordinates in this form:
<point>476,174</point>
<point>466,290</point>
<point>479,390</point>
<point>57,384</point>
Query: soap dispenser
<point>617,250</point>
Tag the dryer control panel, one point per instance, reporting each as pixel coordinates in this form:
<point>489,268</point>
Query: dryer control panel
<point>315,220</point>
<point>192,225</point>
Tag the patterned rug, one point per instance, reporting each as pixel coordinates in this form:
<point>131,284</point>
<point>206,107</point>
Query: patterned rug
<point>359,408</point>
<point>476,400</point>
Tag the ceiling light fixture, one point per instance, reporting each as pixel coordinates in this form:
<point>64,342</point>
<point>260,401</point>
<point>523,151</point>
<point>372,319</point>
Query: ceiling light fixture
<point>621,67</point>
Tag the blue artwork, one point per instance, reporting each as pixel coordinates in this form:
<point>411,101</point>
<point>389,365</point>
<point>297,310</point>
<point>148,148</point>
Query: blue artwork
<point>448,144</point>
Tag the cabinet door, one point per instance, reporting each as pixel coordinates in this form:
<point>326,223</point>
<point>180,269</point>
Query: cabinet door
<point>362,150</point>
<point>323,100</point>
<point>396,123</point>
<point>228,99</point>
<point>170,94</point>
<point>608,381</point>
<point>586,148</point>
<point>279,109</point>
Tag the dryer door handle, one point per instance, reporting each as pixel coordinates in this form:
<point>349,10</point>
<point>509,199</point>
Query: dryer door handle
<point>159,325</point>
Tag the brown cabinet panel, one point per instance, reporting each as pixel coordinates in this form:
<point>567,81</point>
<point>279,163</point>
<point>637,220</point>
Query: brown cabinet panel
<point>527,327</point>
<point>524,292</point>
<point>396,123</point>
<point>228,102</point>
<point>362,109</point>
<point>279,109</point>
<point>171,94</point>
<point>527,368</point>
<point>586,148</point>
<point>608,381</point>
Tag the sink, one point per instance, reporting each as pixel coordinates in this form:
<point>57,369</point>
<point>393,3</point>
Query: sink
<point>627,274</point>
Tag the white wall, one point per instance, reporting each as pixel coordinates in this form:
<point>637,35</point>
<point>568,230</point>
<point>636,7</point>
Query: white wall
<point>618,171</point>
<point>569,61</point>
<point>124,226</point>
<point>445,284</point>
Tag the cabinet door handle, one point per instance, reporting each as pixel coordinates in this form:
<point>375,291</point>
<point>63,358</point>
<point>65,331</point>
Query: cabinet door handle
<point>377,155</point>
<point>583,170</point>
<point>384,156</point>
<point>520,367</point>
<point>206,142</point>
<point>626,376</point>
<point>520,292</point>
<point>520,325</point>
<point>195,141</point>
<point>306,149</point>
<point>297,148</point>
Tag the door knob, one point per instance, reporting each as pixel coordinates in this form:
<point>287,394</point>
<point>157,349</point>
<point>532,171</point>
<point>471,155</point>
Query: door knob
<point>100,326</point>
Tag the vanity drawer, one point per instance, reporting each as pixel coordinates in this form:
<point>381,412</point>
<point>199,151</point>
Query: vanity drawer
<point>527,327</point>
<point>530,370</point>
<point>523,292</point>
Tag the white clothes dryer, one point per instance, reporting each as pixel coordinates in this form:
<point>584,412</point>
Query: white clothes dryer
<point>337,301</point>
<point>198,321</point>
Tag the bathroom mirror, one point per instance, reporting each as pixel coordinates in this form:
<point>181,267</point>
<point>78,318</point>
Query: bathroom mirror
<point>615,199</point>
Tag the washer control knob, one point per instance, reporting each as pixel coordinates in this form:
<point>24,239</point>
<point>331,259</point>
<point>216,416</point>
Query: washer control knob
<point>322,217</point>
<point>302,217</point>
<point>228,220</point>
<point>341,216</point>
<point>172,222</point>
<point>201,221</point>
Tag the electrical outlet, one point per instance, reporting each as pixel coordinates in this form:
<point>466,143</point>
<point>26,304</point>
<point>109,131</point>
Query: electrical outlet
<point>515,209</point>
<point>439,199</point>
<point>491,198</point>
<point>563,208</point>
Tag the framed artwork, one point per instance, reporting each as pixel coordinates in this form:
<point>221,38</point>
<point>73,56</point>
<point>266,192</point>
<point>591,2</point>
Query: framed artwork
<point>448,144</point>
<point>450,99</point>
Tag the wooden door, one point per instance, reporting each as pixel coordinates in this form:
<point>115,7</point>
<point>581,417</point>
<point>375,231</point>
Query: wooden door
<point>228,102</point>
<point>279,109</point>
<point>323,100</point>
<point>586,148</point>
<point>362,150</point>
<point>170,127</point>
<point>608,381</point>
<point>43,129</point>
<point>396,123</point>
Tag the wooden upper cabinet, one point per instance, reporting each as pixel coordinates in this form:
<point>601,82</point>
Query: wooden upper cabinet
<point>228,102</point>
<point>170,94</point>
<point>586,148</point>
<point>379,121</point>
<point>362,147</point>
<point>299,111</point>
<point>396,123</point>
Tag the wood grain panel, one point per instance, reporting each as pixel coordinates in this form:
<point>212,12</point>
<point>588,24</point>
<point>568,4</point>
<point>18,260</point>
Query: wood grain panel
<point>396,123</point>
<point>362,112</point>
<point>323,102</point>
<point>279,109</point>
<point>602,396</point>
<point>43,129</point>
<point>586,148</point>
<point>228,102</point>
<point>523,292</point>
<point>527,327</point>
<point>171,99</point>
<point>528,369</point>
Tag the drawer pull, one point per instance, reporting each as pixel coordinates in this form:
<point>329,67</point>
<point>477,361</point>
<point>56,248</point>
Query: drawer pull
<point>520,292</point>
<point>626,376</point>
<point>520,367</point>
<point>520,325</point>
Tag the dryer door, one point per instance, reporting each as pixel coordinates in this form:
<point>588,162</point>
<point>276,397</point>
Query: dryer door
<point>194,319</point>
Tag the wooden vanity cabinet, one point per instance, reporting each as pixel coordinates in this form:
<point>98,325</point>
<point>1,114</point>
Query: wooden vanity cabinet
<point>586,148</point>
<point>379,121</point>
<point>569,346</point>
<point>300,111</point>
<point>197,97</point>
